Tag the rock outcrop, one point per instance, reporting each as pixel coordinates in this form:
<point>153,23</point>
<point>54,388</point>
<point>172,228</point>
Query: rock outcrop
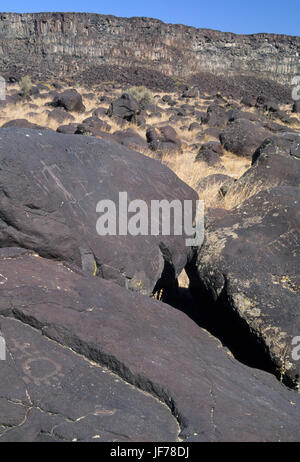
<point>67,332</point>
<point>247,276</point>
<point>62,43</point>
<point>50,185</point>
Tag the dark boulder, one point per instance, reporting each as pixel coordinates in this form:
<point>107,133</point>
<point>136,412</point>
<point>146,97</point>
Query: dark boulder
<point>126,107</point>
<point>234,114</point>
<point>49,196</point>
<point>60,115</point>
<point>243,136</point>
<point>57,86</point>
<point>97,123</point>
<point>210,153</point>
<point>49,392</point>
<point>167,99</point>
<point>69,129</point>
<point>92,126</point>
<point>70,100</point>
<point>212,132</point>
<point>286,144</point>
<point>211,158</point>
<point>163,139</point>
<point>216,116</point>
<point>275,163</point>
<point>285,118</point>
<point>100,111</point>
<point>274,127</point>
<point>130,139</point>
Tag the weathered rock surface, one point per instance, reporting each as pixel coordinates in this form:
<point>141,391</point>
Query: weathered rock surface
<point>248,273</point>
<point>275,163</point>
<point>130,139</point>
<point>69,129</point>
<point>243,137</point>
<point>50,393</point>
<point>164,138</point>
<point>216,116</point>
<point>286,144</point>
<point>210,153</point>
<point>50,187</point>
<point>22,123</point>
<point>60,115</point>
<point>33,42</point>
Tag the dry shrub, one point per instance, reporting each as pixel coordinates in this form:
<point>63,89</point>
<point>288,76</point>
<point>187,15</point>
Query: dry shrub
<point>25,85</point>
<point>142,94</point>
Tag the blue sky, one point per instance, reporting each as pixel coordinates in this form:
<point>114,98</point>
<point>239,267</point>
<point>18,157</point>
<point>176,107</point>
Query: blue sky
<point>240,16</point>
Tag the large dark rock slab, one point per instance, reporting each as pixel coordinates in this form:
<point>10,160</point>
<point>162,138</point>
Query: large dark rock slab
<point>150,345</point>
<point>50,187</point>
<point>50,393</point>
<point>248,271</point>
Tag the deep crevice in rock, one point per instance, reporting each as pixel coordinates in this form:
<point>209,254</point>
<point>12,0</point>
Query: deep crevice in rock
<point>226,325</point>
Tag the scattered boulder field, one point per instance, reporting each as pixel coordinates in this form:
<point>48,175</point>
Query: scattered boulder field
<point>104,340</point>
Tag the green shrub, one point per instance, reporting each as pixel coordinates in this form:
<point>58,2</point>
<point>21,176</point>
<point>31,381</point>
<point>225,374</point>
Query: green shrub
<point>142,94</point>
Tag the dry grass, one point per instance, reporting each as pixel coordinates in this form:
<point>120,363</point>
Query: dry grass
<point>183,164</point>
<point>183,279</point>
<point>192,172</point>
<point>237,195</point>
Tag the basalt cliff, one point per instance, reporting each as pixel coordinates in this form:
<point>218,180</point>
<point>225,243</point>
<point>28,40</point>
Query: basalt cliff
<point>52,44</point>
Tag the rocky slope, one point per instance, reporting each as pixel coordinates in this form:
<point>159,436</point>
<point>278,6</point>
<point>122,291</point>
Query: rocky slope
<point>58,43</point>
<point>211,358</point>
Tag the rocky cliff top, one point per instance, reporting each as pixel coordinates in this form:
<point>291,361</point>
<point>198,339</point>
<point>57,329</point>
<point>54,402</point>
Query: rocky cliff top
<point>51,44</point>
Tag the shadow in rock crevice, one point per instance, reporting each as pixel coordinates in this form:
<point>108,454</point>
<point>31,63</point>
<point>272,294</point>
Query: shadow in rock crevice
<point>224,324</point>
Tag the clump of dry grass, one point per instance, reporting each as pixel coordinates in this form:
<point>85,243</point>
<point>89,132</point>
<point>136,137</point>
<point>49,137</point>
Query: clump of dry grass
<point>142,94</point>
<point>25,85</point>
<point>191,172</point>
<point>238,194</point>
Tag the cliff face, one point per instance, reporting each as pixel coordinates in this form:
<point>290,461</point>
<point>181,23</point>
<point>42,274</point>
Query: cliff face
<point>48,44</point>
